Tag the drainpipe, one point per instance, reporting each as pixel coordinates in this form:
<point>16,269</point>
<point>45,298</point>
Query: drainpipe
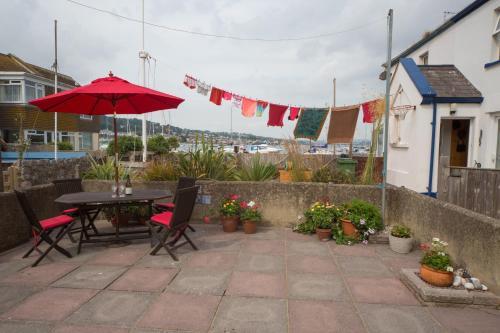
<point>433,144</point>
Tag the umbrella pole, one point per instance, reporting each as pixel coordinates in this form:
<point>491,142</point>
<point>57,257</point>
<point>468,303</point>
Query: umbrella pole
<point>116,153</point>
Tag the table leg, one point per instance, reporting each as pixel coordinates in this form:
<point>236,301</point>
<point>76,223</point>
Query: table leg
<point>82,232</point>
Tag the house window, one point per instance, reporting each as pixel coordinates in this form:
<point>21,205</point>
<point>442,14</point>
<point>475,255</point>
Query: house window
<point>496,34</point>
<point>85,116</point>
<point>10,91</point>
<point>424,58</point>
<point>35,137</point>
<point>33,90</point>
<point>85,141</point>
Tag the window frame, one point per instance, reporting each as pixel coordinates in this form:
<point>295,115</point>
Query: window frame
<point>86,117</point>
<point>13,82</point>
<point>424,58</point>
<point>496,29</point>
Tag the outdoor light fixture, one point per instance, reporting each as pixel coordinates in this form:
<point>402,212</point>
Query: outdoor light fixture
<point>453,108</point>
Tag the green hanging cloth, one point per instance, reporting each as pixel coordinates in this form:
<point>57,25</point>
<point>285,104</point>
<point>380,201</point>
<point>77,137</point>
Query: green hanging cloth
<point>310,123</point>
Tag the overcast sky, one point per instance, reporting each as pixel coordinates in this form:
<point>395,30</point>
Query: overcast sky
<point>294,72</point>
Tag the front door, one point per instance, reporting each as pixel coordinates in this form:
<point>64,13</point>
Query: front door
<point>454,141</point>
<point>498,146</point>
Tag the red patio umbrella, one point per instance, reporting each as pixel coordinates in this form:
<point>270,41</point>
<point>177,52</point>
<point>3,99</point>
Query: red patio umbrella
<point>108,95</point>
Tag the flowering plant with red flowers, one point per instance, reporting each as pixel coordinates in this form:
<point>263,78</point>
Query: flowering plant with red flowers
<point>230,206</point>
<point>250,211</point>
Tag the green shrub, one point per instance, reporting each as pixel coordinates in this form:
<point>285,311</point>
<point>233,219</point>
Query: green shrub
<point>365,216</point>
<point>160,145</point>
<point>256,170</point>
<point>342,177</point>
<point>320,215</point>
<point>104,169</point>
<point>161,170</point>
<point>126,144</point>
<point>322,175</point>
<point>64,145</point>
<point>204,162</point>
<point>437,257</point>
<point>400,231</point>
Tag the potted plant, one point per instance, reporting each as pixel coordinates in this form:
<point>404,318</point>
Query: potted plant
<point>229,210</point>
<point>319,219</point>
<point>360,220</point>
<point>250,216</point>
<point>436,267</point>
<point>123,218</point>
<point>400,240</point>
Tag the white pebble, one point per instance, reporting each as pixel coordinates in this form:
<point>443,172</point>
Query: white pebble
<point>484,288</point>
<point>469,286</point>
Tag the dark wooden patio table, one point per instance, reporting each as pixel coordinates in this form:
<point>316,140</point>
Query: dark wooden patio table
<point>86,201</point>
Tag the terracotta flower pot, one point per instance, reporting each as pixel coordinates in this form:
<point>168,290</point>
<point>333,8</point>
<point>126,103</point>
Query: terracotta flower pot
<point>206,219</point>
<point>229,223</point>
<point>250,227</point>
<point>323,234</point>
<point>435,277</point>
<point>348,228</point>
<point>285,176</point>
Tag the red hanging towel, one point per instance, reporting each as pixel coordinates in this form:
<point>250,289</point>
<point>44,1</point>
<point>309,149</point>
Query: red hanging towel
<point>227,95</point>
<point>261,106</point>
<point>294,113</point>
<point>276,114</point>
<point>369,111</point>
<point>189,82</point>
<point>216,96</point>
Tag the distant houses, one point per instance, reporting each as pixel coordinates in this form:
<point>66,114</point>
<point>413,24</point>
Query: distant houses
<point>21,82</point>
<point>445,100</point>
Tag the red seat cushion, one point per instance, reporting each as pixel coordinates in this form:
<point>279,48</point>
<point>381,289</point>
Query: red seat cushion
<point>70,210</point>
<point>57,221</point>
<point>166,205</point>
<point>163,218</point>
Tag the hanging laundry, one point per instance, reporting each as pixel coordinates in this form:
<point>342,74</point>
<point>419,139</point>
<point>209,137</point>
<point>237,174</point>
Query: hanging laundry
<point>276,114</point>
<point>261,107</point>
<point>369,111</point>
<point>343,124</point>
<point>237,101</point>
<point>248,107</point>
<point>216,96</point>
<point>226,95</point>
<point>294,113</point>
<point>189,82</point>
<point>202,88</point>
<point>310,123</point>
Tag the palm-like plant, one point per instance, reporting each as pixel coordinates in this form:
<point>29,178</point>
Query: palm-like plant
<point>104,169</point>
<point>256,170</point>
<point>204,162</point>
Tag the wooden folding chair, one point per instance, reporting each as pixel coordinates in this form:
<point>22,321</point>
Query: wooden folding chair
<point>43,228</point>
<point>74,185</point>
<point>174,223</point>
<point>184,182</point>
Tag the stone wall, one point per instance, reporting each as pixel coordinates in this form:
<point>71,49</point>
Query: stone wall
<point>474,239</point>
<point>37,172</point>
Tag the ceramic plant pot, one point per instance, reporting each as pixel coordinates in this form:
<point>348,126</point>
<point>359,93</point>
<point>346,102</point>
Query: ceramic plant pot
<point>206,219</point>
<point>323,234</point>
<point>435,277</point>
<point>249,227</point>
<point>348,228</point>
<point>285,176</point>
<point>229,223</point>
<point>400,245</point>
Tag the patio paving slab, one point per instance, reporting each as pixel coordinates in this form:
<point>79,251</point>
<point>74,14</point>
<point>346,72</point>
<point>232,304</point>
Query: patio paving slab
<point>249,314</point>
<point>91,276</point>
<point>68,328</point>
<point>467,319</point>
<point>311,264</point>
<point>267,234</point>
<point>381,290</point>
<point>353,250</point>
<point>398,318</point>
<point>10,267</point>
<point>185,312</point>
<point>269,247</point>
<point>12,295</point>
<point>25,327</point>
<point>144,279</point>
<point>295,236</point>
<point>260,263</point>
<point>118,256</point>
<point>118,308</point>
<point>220,260</point>
<point>226,244</point>
<point>200,281</point>
<point>323,316</point>
<point>50,305</point>
<point>163,260</point>
<point>257,284</point>
<point>363,267</point>
<point>317,287</point>
<point>308,248</point>
<point>41,275</point>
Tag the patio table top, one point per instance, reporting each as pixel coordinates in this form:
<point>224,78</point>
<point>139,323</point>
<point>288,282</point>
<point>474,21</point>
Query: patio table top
<point>85,198</point>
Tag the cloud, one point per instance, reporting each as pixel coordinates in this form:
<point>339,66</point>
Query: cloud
<point>296,73</point>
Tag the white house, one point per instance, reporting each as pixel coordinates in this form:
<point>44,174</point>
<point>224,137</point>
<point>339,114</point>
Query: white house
<point>445,99</point>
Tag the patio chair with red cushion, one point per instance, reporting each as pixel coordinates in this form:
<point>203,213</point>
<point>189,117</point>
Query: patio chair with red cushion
<point>43,228</point>
<point>184,182</point>
<point>174,223</point>
<point>74,185</point>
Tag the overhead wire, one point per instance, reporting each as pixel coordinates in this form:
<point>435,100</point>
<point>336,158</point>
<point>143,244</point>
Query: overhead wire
<point>232,37</point>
